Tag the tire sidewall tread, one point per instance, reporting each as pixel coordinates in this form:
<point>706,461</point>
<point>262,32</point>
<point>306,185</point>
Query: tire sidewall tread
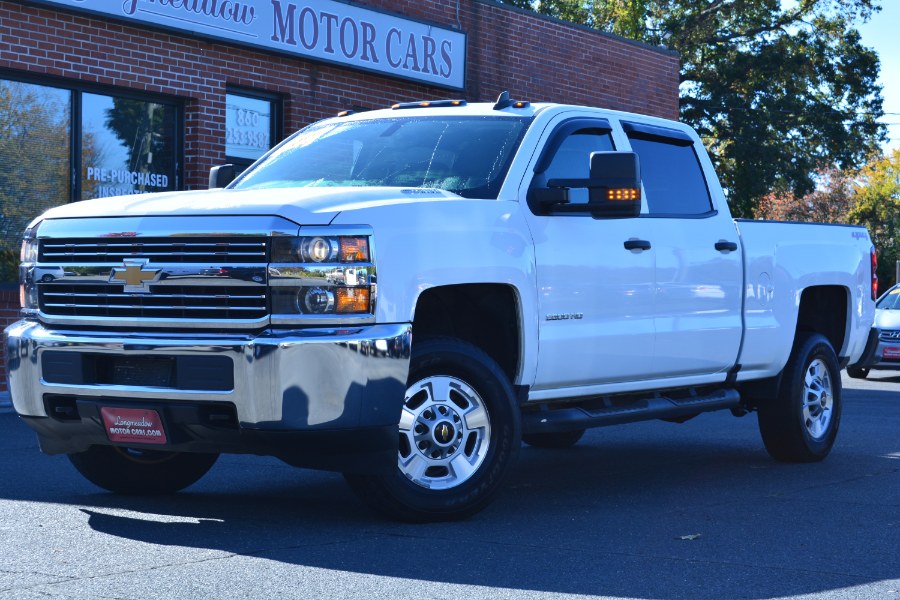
<point>400,499</point>
<point>785,436</point>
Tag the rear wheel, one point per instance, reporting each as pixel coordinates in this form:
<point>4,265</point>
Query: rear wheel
<point>141,472</point>
<point>801,424</point>
<point>557,439</point>
<point>459,433</point>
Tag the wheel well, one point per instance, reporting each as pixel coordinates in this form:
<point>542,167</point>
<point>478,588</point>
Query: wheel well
<point>485,315</point>
<point>823,309</point>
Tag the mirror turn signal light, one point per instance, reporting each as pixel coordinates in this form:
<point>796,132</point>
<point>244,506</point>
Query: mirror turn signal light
<point>623,194</point>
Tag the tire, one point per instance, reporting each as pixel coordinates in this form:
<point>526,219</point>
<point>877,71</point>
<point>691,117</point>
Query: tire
<point>141,472</point>
<point>47,278</point>
<point>801,424</point>
<point>557,439</point>
<point>460,430</point>
<point>857,372</point>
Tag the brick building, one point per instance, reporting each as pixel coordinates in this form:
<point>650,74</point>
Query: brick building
<point>102,98</point>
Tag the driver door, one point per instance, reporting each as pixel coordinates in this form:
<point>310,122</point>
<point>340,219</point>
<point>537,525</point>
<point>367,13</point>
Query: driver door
<point>595,276</point>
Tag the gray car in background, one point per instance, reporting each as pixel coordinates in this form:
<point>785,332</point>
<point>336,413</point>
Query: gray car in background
<point>887,320</point>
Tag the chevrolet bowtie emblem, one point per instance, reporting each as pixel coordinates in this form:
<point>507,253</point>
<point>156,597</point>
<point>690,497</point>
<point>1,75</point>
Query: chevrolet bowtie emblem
<point>134,273</point>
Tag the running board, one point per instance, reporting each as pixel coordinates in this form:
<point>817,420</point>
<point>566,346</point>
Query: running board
<point>612,411</point>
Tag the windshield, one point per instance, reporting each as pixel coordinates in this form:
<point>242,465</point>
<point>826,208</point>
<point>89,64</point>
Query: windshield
<point>889,300</point>
<point>468,156</point>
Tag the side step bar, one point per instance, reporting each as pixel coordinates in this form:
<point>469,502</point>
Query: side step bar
<point>566,417</point>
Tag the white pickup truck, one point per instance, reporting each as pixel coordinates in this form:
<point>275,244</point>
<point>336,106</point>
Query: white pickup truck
<point>521,272</point>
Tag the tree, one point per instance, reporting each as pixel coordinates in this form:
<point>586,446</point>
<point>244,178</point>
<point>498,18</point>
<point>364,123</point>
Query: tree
<point>142,128</point>
<point>877,201</point>
<point>869,196</point>
<point>34,152</point>
<point>774,89</point>
<point>831,201</point>
<point>626,18</point>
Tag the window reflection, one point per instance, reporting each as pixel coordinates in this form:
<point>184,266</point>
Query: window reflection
<point>128,147</point>
<point>573,159</point>
<point>35,143</point>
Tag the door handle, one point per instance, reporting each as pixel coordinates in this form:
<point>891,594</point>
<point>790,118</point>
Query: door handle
<point>637,245</point>
<point>723,246</point>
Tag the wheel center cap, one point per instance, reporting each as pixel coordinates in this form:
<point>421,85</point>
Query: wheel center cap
<point>444,432</point>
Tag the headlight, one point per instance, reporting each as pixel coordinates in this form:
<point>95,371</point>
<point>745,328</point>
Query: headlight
<point>28,297</point>
<point>29,252</point>
<point>321,249</point>
<point>322,279</point>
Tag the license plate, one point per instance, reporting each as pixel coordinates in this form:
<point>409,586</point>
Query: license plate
<point>891,353</point>
<point>133,425</point>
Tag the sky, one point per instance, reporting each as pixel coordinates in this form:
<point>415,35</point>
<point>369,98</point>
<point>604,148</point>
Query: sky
<point>882,34</point>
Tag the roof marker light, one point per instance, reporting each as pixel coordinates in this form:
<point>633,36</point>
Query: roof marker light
<point>504,101</point>
<point>428,104</point>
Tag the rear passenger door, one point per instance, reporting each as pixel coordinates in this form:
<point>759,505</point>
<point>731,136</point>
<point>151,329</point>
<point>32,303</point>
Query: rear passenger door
<point>699,271</point>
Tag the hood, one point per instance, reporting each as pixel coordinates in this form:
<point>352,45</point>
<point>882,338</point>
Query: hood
<point>887,318</point>
<point>304,206</point>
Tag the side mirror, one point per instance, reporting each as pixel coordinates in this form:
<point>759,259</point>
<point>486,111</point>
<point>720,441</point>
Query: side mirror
<point>615,184</point>
<point>614,189</point>
<point>221,176</point>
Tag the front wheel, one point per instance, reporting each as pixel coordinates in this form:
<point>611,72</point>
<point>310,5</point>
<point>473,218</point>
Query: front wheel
<point>141,472</point>
<point>459,433</point>
<point>801,423</point>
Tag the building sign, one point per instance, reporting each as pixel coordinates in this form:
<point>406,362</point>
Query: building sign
<point>319,29</point>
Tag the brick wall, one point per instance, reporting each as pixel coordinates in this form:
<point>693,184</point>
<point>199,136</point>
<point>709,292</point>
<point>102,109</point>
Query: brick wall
<point>533,57</point>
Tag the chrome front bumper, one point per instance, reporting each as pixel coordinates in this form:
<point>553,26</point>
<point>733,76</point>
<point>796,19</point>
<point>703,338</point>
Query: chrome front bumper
<point>300,380</point>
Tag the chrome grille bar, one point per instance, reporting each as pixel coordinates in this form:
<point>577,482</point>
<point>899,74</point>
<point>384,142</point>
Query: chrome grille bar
<point>177,250</point>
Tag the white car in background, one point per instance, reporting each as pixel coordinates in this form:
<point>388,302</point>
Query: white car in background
<point>47,274</point>
<point>887,320</point>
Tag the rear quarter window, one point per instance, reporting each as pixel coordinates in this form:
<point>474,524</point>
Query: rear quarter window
<point>671,173</point>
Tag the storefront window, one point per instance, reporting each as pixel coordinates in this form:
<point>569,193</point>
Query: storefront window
<point>250,127</point>
<point>35,161</point>
<point>127,147</point>
<point>123,145</point>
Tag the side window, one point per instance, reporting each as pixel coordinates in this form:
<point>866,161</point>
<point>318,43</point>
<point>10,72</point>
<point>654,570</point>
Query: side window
<point>671,173</point>
<point>572,159</point>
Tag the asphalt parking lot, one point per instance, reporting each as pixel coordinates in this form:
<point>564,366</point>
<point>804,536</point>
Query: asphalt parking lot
<point>650,510</point>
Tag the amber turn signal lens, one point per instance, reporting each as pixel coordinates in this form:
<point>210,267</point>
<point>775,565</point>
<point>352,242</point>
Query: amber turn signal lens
<point>354,249</point>
<point>352,300</point>
<point>623,194</point>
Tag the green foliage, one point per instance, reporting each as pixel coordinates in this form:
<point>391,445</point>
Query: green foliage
<point>776,90</point>
<point>877,201</point>
<point>9,265</point>
<point>869,196</point>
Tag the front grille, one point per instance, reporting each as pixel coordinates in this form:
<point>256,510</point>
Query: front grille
<point>889,335</point>
<point>209,250</point>
<point>163,302</point>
